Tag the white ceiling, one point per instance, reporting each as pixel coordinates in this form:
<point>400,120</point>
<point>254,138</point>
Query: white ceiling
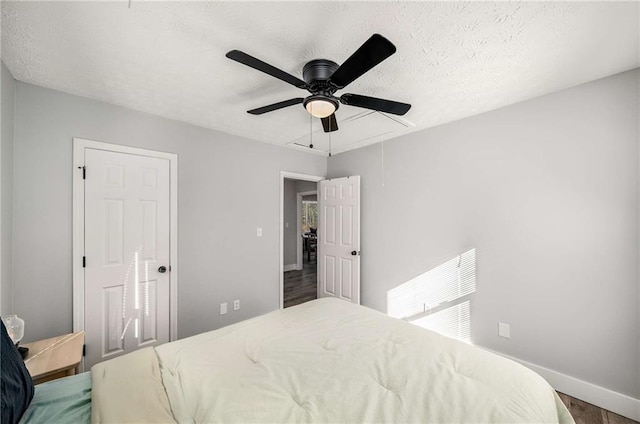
<point>453,59</point>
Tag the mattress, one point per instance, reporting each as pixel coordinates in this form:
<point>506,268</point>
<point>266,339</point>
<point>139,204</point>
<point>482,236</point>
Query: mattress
<point>67,401</point>
<point>330,361</point>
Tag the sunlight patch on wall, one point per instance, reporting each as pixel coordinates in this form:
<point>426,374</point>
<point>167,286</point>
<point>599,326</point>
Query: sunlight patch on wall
<point>439,298</point>
<point>454,322</point>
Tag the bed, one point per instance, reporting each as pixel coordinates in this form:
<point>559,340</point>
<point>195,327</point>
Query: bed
<point>322,361</point>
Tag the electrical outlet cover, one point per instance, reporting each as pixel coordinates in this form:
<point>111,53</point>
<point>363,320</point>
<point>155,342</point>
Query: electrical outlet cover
<point>504,330</point>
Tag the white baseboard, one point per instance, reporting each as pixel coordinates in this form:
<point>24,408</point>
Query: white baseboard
<point>604,398</point>
<point>290,267</point>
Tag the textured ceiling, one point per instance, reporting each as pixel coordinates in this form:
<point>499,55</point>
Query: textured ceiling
<point>453,60</point>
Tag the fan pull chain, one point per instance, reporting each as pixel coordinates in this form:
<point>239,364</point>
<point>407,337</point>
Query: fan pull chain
<point>329,137</point>
<point>382,160</point>
<point>310,133</point>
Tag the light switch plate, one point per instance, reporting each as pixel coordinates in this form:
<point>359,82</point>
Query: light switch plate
<point>223,308</point>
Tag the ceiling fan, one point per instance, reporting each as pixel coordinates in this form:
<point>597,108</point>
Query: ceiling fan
<point>322,78</point>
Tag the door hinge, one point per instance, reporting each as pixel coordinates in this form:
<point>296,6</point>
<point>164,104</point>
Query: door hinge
<point>84,262</point>
<point>84,172</point>
<point>84,350</point>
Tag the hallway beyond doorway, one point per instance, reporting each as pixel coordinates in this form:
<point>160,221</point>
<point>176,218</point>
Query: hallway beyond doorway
<point>300,286</point>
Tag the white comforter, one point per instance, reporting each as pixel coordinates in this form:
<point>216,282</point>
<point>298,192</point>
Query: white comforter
<point>329,361</point>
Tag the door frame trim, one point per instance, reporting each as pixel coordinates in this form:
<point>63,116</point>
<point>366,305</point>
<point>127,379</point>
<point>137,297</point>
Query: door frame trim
<point>292,176</point>
<point>79,147</point>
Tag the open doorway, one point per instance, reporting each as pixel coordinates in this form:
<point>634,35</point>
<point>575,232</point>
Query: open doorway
<point>299,228</point>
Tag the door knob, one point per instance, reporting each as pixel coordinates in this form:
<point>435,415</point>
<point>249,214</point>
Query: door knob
<point>162,269</point>
<point>354,253</point>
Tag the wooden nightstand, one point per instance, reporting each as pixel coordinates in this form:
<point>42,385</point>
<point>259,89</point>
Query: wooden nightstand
<point>56,357</point>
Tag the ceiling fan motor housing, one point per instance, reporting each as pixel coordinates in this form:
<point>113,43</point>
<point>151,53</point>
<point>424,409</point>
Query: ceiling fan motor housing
<point>316,74</point>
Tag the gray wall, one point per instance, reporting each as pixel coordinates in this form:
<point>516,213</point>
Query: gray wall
<point>547,192</point>
<point>304,186</point>
<point>228,186</point>
<point>290,233</point>
<point>6,174</point>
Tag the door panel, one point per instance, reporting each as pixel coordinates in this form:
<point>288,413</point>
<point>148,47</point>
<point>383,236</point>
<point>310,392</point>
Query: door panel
<point>346,279</point>
<point>112,309</point>
<point>329,286</point>
<point>339,203</point>
<point>127,227</point>
<point>328,221</point>
<point>114,231</point>
<point>346,221</point>
<point>149,329</point>
<point>149,229</point>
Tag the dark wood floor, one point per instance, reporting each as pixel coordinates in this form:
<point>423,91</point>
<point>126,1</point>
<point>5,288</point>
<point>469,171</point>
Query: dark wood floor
<point>301,286</point>
<point>585,413</point>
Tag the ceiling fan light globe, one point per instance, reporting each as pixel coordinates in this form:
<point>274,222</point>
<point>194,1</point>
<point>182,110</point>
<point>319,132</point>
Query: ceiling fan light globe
<point>320,108</point>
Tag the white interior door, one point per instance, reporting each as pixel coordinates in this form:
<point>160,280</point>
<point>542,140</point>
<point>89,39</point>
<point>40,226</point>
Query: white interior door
<point>127,231</point>
<point>339,238</point>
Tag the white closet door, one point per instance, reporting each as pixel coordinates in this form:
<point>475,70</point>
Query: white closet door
<point>127,227</point>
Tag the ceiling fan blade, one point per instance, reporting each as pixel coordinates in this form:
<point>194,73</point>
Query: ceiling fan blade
<point>373,51</point>
<point>330,124</point>
<point>381,105</point>
<point>276,106</point>
<point>251,61</point>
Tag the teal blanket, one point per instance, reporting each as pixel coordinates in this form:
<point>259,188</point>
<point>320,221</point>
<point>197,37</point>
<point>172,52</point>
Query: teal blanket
<point>67,401</point>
